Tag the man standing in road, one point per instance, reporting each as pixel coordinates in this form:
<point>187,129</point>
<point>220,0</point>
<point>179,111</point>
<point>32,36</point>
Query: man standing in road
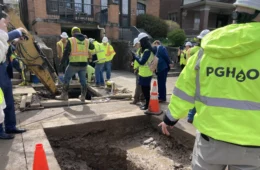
<point>222,82</point>
<point>109,53</point>
<point>163,67</point>
<point>60,50</point>
<point>77,51</point>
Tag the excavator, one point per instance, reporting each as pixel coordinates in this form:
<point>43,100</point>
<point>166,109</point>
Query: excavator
<point>31,55</point>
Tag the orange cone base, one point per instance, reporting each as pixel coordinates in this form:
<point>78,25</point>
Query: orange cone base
<point>153,113</point>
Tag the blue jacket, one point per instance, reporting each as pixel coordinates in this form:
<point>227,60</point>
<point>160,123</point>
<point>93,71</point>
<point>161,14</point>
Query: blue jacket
<point>12,35</point>
<point>164,60</point>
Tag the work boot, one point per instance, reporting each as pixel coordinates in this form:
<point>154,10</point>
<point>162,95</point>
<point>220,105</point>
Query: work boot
<point>145,106</point>
<point>64,93</point>
<point>83,93</point>
<point>5,136</point>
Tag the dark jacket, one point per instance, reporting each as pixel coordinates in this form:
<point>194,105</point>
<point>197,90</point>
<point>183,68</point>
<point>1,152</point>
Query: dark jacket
<point>164,60</point>
<point>67,52</point>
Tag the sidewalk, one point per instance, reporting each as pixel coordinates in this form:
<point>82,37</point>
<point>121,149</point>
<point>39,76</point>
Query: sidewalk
<point>18,154</point>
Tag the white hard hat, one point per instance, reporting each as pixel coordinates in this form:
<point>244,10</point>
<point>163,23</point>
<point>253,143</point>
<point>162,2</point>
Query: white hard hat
<point>91,39</point>
<point>135,41</point>
<point>254,4</point>
<point>203,33</point>
<point>142,35</point>
<point>64,35</point>
<point>104,40</point>
<point>188,44</point>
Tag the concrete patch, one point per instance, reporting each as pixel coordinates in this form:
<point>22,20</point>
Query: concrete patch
<point>33,137</point>
<point>12,155</point>
<point>23,102</point>
<point>59,103</point>
<point>23,90</point>
<point>29,99</point>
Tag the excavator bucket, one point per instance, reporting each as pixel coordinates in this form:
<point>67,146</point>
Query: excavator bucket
<point>31,55</point>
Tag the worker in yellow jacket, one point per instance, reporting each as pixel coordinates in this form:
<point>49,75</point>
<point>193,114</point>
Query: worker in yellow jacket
<point>109,53</point>
<point>222,82</point>
<point>138,96</point>
<point>184,54</point>
<point>60,50</point>
<point>77,51</point>
<point>196,48</point>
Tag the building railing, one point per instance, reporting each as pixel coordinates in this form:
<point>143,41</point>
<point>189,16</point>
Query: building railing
<point>225,1</point>
<point>70,11</point>
<point>186,2</point>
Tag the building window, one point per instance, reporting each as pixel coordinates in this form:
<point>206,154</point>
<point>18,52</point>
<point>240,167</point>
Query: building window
<point>196,21</point>
<point>104,4</point>
<point>83,6</point>
<point>88,7</point>
<point>125,5</point>
<point>140,8</point>
<point>172,16</point>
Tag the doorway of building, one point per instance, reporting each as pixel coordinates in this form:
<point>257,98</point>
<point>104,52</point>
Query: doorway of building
<point>124,13</point>
<point>222,20</point>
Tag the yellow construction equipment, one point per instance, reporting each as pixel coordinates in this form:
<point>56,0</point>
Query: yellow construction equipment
<point>31,55</point>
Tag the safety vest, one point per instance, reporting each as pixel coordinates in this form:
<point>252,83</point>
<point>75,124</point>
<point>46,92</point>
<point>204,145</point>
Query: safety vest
<point>144,70</point>
<point>100,52</point>
<point>60,43</point>
<point>194,49</point>
<point>223,83</point>
<point>183,58</point>
<point>2,97</point>
<point>79,50</point>
<point>13,56</point>
<point>110,52</point>
<point>136,64</point>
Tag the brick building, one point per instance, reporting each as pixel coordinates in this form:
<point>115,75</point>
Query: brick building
<point>51,17</point>
<point>171,10</point>
<point>201,14</point>
<point>196,15</point>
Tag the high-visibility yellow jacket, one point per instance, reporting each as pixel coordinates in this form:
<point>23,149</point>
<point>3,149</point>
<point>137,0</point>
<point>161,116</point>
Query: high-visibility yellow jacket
<point>223,82</point>
<point>100,52</point>
<point>2,98</point>
<point>185,55</point>
<point>62,47</point>
<point>2,106</point>
<point>194,50</point>
<point>109,52</point>
<point>136,64</point>
<point>79,50</point>
<point>144,70</point>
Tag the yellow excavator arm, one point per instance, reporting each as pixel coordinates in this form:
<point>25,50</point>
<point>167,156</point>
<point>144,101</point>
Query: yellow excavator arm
<point>31,55</point>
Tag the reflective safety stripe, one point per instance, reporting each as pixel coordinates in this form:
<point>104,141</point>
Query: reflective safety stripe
<point>154,97</point>
<point>184,96</point>
<point>169,115</point>
<point>218,102</point>
<point>75,51</point>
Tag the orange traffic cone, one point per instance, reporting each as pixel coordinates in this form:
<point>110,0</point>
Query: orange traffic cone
<point>40,160</point>
<point>154,107</point>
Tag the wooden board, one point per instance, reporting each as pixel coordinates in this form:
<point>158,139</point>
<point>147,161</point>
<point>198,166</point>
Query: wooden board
<point>29,99</point>
<point>23,102</point>
<point>19,90</point>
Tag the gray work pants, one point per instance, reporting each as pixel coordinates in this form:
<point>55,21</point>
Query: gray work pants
<point>138,96</point>
<point>217,155</point>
